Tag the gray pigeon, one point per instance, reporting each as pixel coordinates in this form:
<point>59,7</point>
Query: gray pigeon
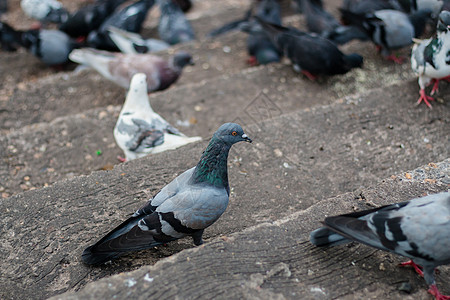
<point>132,43</point>
<point>390,29</point>
<point>430,59</point>
<point>185,207</point>
<point>45,10</point>
<point>418,229</point>
<point>140,131</point>
<point>120,68</point>
<point>52,47</point>
<point>173,27</point>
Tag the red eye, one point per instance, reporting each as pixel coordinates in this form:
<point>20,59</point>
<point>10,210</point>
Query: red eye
<point>234,133</point>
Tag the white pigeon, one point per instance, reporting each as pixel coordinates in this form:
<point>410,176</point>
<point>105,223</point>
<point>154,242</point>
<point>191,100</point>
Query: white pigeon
<point>139,130</point>
<point>132,43</point>
<point>430,59</point>
<point>45,10</point>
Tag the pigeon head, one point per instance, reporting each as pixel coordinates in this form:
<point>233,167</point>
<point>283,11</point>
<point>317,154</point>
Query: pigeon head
<point>181,59</point>
<point>354,60</point>
<point>444,21</point>
<point>231,133</point>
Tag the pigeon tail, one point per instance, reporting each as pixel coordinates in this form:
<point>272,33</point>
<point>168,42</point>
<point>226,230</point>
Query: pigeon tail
<point>93,58</point>
<point>324,237</point>
<point>91,258</point>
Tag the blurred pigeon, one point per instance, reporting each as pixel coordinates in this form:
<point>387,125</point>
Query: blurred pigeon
<point>10,38</point>
<point>129,19</point>
<point>185,5</point>
<point>173,27</point>
<point>89,17</point>
<point>418,229</point>
<point>131,43</point>
<point>320,21</point>
<point>185,207</point>
<point>3,6</point>
<point>430,59</point>
<point>310,54</point>
<point>120,68</point>
<point>362,7</point>
<point>52,47</point>
<point>259,45</point>
<point>390,29</point>
<point>139,130</point>
<point>45,10</point>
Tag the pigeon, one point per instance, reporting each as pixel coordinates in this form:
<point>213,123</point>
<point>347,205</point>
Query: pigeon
<point>259,46</point>
<point>129,18</point>
<point>390,29</point>
<point>3,6</point>
<point>173,27</point>
<point>430,59</point>
<point>139,130</point>
<point>418,229</point>
<point>323,23</point>
<point>89,18</point>
<point>132,43</point>
<point>310,54</point>
<point>186,206</point>
<point>120,68</point>
<point>10,38</point>
<point>52,47</point>
<point>45,10</point>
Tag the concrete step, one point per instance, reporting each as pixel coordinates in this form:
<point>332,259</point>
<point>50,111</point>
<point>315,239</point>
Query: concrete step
<point>34,150</point>
<point>296,160</point>
<point>275,260</point>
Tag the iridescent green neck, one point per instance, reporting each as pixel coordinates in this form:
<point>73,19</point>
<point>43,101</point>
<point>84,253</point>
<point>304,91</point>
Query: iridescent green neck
<point>212,167</point>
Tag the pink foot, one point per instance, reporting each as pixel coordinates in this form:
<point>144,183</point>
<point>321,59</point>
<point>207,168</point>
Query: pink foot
<point>433,290</point>
<point>36,25</point>
<point>424,98</point>
<point>447,78</point>
<point>309,75</point>
<point>397,59</point>
<point>121,159</point>
<point>413,264</point>
<point>251,61</point>
<point>435,88</point>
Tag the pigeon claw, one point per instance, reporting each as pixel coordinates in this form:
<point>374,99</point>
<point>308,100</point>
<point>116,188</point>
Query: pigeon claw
<point>425,98</point>
<point>309,75</point>
<point>121,159</point>
<point>252,61</point>
<point>416,267</point>
<point>433,290</point>
<point>397,59</point>
<point>435,88</point>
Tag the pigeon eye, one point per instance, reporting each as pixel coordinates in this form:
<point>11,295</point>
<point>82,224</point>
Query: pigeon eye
<point>234,133</point>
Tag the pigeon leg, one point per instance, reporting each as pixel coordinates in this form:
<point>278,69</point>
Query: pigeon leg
<point>251,61</point>
<point>197,237</point>
<point>309,75</point>
<point>446,78</point>
<point>121,159</point>
<point>433,290</point>
<point>397,59</point>
<point>424,98</point>
<point>413,264</point>
<point>435,88</point>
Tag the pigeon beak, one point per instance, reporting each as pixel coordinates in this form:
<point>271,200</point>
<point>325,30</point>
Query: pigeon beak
<point>246,138</point>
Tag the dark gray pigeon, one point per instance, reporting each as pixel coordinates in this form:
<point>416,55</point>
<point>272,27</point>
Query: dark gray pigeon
<point>185,207</point>
<point>418,229</point>
<point>52,47</point>
<point>173,27</point>
<point>129,19</point>
<point>390,29</point>
<point>120,68</point>
<point>310,54</point>
<point>89,18</point>
<point>430,59</point>
<point>320,21</point>
<point>10,39</point>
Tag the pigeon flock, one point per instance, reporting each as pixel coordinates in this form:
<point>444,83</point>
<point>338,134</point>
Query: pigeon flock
<point>104,35</point>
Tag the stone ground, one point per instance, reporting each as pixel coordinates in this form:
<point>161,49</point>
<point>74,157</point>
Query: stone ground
<point>320,148</point>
